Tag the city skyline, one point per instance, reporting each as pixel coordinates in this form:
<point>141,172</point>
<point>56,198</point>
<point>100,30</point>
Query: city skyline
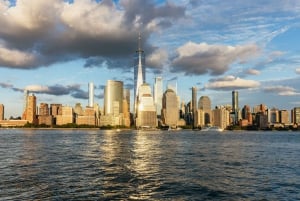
<point>55,48</point>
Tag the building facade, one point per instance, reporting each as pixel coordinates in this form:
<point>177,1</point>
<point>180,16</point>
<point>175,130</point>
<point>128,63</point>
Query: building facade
<point>194,106</point>
<point>204,104</point>
<point>170,112</point>
<point>235,107</point>
<point>91,94</point>
<point>1,112</point>
<point>158,94</point>
<point>139,70</point>
<point>146,111</point>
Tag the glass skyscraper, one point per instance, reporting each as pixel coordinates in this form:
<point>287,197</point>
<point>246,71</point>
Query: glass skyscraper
<point>235,106</point>
<point>139,70</point>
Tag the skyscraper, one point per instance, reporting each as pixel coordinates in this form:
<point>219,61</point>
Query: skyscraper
<point>1,112</point>
<point>158,94</point>
<point>204,104</point>
<point>91,94</point>
<point>194,106</point>
<point>235,106</point>
<point>31,109</point>
<point>113,97</point>
<point>146,111</point>
<point>170,112</point>
<point>139,70</point>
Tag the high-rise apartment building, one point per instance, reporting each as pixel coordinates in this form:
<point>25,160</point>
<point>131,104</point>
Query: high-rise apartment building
<point>204,104</point>
<point>235,107</point>
<point>158,94</point>
<point>91,94</point>
<point>170,112</point>
<point>30,111</point>
<point>284,117</point>
<point>44,117</point>
<point>221,117</point>
<point>139,70</point>
<point>194,106</point>
<point>44,109</point>
<point>66,117</point>
<point>1,112</point>
<point>146,110</point>
<point>296,115</point>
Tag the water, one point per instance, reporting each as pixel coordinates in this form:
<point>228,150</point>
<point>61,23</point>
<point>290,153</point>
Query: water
<point>156,165</point>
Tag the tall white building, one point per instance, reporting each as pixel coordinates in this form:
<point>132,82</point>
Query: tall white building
<point>139,70</point>
<point>146,110</point>
<point>158,94</point>
<point>91,94</point>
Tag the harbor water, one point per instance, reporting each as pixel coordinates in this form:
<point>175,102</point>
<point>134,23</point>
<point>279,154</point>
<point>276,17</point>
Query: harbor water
<point>149,165</point>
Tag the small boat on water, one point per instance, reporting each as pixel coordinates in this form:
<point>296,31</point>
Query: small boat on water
<point>212,128</point>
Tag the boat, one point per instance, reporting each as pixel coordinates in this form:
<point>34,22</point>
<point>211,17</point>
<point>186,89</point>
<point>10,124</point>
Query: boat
<point>212,128</point>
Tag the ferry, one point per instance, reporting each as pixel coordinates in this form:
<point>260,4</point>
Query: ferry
<point>212,128</point>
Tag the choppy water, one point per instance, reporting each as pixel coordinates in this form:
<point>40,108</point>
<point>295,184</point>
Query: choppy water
<point>156,165</point>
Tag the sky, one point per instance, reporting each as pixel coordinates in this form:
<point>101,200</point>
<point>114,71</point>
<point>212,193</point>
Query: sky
<point>55,48</point>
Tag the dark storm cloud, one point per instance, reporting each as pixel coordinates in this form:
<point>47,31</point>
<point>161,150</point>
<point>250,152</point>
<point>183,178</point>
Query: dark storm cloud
<point>40,33</point>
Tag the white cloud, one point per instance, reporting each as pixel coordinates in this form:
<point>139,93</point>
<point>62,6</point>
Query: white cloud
<point>197,59</point>
<point>231,83</point>
<point>298,70</point>
<point>16,58</point>
<point>157,58</point>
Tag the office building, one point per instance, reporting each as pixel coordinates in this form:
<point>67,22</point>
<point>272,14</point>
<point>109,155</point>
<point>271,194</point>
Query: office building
<point>113,104</point>
<point>295,114</point>
<point>139,70</point>
<point>170,112</point>
<point>1,112</point>
<point>158,94</point>
<point>66,117</point>
<point>55,109</point>
<point>88,117</point>
<point>235,107</point>
<point>204,104</point>
<point>44,117</point>
<point>146,110</point>
<point>113,97</point>
<point>91,94</point>
<point>126,108</point>
<point>247,115</point>
<point>30,111</point>
<point>284,117</point>
<point>194,106</point>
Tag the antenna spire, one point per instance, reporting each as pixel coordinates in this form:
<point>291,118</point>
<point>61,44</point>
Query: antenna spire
<point>140,42</point>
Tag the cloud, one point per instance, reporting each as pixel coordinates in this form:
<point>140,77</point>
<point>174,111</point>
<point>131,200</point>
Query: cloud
<point>252,71</point>
<point>198,59</point>
<point>157,59</point>
<point>281,90</point>
<point>40,33</point>
<point>297,70</point>
<point>231,83</point>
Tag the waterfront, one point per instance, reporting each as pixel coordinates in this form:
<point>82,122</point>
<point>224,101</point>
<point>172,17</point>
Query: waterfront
<point>148,165</point>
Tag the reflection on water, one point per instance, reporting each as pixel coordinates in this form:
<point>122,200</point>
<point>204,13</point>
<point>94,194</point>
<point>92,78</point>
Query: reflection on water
<point>144,165</point>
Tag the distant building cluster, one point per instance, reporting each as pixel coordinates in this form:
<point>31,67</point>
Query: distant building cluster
<point>162,108</point>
